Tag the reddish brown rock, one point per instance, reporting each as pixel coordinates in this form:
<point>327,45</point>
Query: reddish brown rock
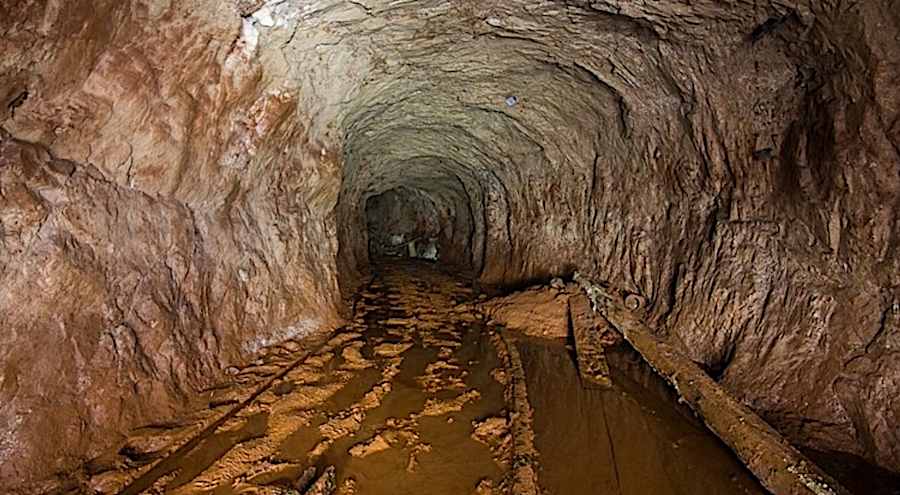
<point>182,183</point>
<point>538,311</point>
<point>136,257</point>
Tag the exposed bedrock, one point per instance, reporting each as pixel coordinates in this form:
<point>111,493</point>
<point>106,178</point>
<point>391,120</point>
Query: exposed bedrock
<point>182,183</point>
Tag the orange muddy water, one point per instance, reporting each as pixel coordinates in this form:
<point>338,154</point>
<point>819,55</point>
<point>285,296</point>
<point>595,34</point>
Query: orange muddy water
<point>411,398</point>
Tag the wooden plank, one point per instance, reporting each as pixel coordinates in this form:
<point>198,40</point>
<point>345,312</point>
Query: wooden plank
<point>589,332</point>
<point>780,467</point>
<point>524,454</point>
<point>168,464</point>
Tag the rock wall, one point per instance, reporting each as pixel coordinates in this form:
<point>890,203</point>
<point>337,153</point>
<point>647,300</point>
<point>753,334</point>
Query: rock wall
<point>734,164</point>
<point>738,168</point>
<point>164,212</point>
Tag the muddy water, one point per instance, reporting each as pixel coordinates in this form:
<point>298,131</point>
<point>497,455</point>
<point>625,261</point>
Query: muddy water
<point>631,439</point>
<point>410,398</point>
<point>392,402</point>
<point>449,461</point>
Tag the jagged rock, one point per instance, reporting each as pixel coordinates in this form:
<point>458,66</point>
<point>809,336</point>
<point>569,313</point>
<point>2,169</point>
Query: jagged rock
<point>185,183</point>
<point>353,358</point>
<point>590,335</point>
<point>348,487</point>
<point>437,407</point>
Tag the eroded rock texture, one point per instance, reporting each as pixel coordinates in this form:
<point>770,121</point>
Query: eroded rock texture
<point>165,213</point>
<point>184,182</point>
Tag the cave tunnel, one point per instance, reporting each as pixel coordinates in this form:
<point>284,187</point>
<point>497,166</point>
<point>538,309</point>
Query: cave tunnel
<point>449,247</point>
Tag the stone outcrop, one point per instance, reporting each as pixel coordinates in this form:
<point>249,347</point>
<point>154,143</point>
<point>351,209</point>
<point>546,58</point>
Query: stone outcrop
<point>185,182</point>
<point>537,311</point>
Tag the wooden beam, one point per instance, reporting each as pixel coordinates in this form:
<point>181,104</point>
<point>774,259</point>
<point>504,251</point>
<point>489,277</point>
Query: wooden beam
<point>780,467</point>
<point>588,332</point>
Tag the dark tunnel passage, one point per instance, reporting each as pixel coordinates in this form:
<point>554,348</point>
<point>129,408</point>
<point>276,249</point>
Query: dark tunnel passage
<point>435,224</point>
<point>233,224</point>
<point>402,222</point>
<point>504,191</point>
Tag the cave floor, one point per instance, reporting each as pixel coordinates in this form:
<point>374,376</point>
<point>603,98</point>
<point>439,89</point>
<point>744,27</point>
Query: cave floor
<point>414,396</point>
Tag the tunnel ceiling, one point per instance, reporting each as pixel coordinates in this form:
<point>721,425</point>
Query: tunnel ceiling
<point>436,86</point>
<point>184,183</point>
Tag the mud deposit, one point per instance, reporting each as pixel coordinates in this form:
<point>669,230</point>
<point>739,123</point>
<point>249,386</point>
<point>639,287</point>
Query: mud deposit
<point>417,396</point>
<point>408,398</point>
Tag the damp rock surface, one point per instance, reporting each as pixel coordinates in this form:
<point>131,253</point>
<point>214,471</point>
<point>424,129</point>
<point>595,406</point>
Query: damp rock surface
<point>537,311</point>
<point>368,413</point>
<point>185,183</point>
<point>387,429</point>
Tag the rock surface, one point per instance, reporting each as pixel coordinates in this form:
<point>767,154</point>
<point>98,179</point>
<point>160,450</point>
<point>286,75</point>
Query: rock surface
<point>183,183</point>
<point>381,415</point>
<point>537,311</point>
<point>163,214</point>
